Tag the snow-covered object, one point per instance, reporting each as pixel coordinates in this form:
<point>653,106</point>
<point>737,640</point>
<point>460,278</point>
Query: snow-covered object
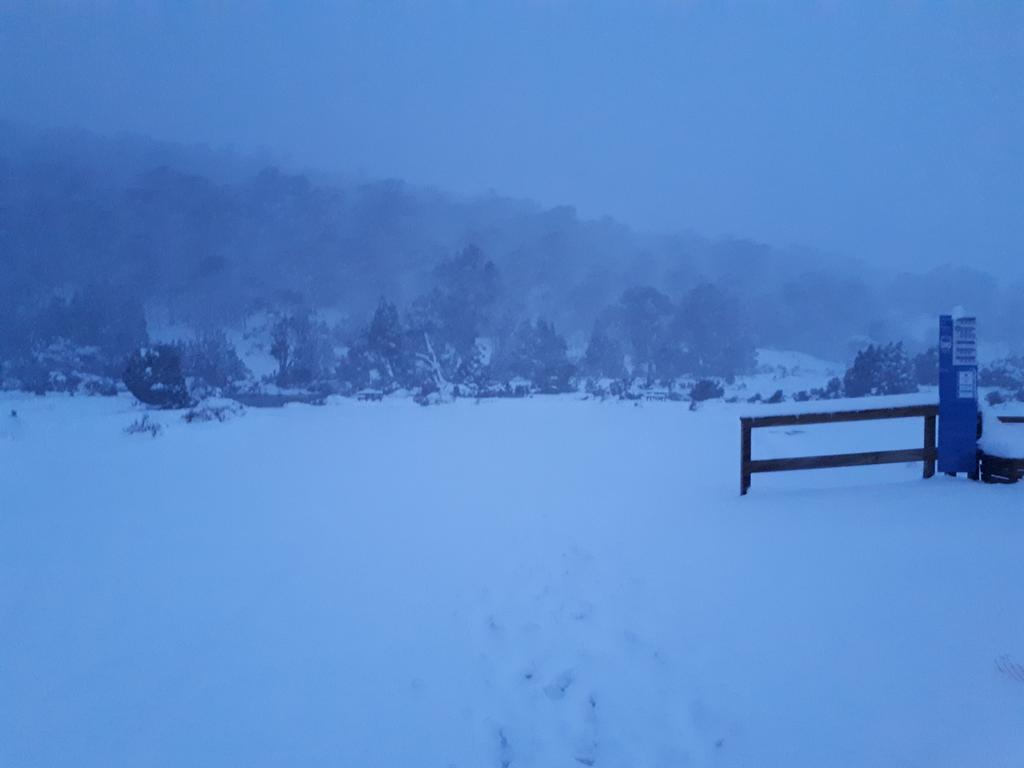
<point>1003,440</point>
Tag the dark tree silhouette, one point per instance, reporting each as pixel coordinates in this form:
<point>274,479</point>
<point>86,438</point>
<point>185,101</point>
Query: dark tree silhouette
<point>154,376</point>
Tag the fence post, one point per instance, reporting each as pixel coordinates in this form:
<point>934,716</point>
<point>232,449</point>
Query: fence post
<point>745,431</point>
<point>929,446</point>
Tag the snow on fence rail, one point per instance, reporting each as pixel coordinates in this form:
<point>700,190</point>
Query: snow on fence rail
<point>927,454</point>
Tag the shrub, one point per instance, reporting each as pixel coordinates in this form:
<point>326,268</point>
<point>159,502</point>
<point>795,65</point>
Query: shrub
<point>832,391</point>
<point>1007,373</point>
<point>154,376</point>
<point>706,389</point>
<point>144,426</point>
<point>99,386</point>
<point>108,320</point>
<point>214,409</point>
<point>880,370</point>
<point>995,398</point>
<point>210,361</point>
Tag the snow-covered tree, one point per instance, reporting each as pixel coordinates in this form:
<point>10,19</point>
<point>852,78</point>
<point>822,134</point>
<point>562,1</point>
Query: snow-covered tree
<point>446,323</point>
<point>604,357</point>
<point>382,356</point>
<point>880,370</point>
<point>154,376</point>
<point>537,353</point>
<point>646,313</point>
<point>302,349</point>
<point>713,332</point>
<point>211,362</point>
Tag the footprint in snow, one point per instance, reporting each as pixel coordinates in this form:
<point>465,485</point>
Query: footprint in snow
<point>556,689</point>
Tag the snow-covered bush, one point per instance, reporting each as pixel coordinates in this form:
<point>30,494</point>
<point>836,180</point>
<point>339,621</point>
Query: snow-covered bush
<point>880,370</point>
<point>154,376</point>
<point>27,374</point>
<point>210,363</point>
<point>1007,374</point>
<point>995,397</point>
<point>603,388</point>
<point>706,389</point>
<point>60,366</point>
<point>98,385</point>
<point>102,324</point>
<point>214,409</point>
<point>831,391</point>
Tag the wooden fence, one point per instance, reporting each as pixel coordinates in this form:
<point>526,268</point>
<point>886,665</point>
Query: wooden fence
<point>926,454</point>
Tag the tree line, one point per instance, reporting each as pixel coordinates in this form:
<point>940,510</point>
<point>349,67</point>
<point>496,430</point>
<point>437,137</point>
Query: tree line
<point>380,285</point>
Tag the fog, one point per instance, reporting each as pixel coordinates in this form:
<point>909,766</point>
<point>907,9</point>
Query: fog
<point>495,198</point>
<point>890,133</point>
<point>376,377</point>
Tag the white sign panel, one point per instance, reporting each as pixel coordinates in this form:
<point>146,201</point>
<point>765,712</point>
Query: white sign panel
<point>965,385</point>
<point>965,341</point>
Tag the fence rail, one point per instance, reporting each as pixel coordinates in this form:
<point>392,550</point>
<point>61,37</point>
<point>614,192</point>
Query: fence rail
<point>927,453</point>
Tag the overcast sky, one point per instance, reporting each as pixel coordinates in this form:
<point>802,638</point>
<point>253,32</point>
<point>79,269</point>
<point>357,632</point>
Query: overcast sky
<point>892,131</point>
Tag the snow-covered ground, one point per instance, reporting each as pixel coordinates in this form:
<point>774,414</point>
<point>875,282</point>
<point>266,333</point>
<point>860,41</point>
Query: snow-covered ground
<point>542,582</point>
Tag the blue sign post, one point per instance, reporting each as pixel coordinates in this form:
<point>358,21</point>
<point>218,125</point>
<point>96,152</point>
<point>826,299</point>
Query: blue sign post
<point>958,395</point>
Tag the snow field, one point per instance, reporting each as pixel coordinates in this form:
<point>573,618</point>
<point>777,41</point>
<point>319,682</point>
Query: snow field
<point>525,583</point>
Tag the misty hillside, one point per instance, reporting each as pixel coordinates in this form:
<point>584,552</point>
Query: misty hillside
<point>118,230</point>
<point>530,384</point>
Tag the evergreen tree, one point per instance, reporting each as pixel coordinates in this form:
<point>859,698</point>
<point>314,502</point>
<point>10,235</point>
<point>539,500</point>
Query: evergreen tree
<point>210,360</point>
<point>537,353</point>
<point>880,370</point>
<point>713,330</point>
<point>444,324</point>
<point>706,389</point>
<point>646,313</point>
<point>604,357</point>
<point>105,318</point>
<point>380,358</point>
<point>154,376</point>
<point>301,347</point>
